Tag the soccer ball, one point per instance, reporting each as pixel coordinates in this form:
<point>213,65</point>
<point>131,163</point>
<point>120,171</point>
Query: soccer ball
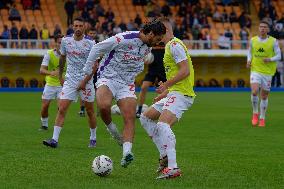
<point>102,166</point>
<point>149,58</point>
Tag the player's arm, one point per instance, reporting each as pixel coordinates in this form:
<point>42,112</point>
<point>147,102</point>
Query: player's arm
<point>249,55</point>
<point>62,60</point>
<point>97,50</point>
<point>84,82</point>
<point>44,67</point>
<point>181,60</point>
<point>277,56</point>
<point>161,96</point>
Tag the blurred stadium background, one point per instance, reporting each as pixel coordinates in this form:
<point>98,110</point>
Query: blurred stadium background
<point>215,31</point>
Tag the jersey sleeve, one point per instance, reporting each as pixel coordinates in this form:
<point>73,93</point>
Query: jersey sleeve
<point>178,52</point>
<point>100,49</point>
<point>45,60</point>
<point>277,51</point>
<point>63,47</point>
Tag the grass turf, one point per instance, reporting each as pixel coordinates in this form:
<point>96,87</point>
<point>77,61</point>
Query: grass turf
<point>216,147</point>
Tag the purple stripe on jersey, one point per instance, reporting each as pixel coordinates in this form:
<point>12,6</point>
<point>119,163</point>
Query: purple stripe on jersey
<point>107,61</point>
<point>131,36</point>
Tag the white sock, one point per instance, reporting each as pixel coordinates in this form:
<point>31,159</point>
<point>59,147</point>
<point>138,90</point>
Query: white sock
<point>127,146</point>
<point>151,128</point>
<point>93,134</point>
<point>169,142</point>
<point>254,102</point>
<point>44,121</point>
<point>263,108</point>
<point>56,132</point>
<point>112,129</point>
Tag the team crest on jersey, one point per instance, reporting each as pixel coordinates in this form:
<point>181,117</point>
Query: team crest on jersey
<point>260,50</point>
<point>118,39</point>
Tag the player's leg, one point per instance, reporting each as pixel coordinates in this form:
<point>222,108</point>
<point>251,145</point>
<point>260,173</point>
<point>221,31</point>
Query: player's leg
<point>127,108</point>
<point>68,94</point>
<point>172,111</point>
<point>88,95</point>
<point>49,93</point>
<point>82,108</point>
<point>104,98</point>
<point>254,84</point>
<point>44,113</point>
<point>147,121</point>
<point>265,88</point>
<point>142,96</point>
<point>63,107</point>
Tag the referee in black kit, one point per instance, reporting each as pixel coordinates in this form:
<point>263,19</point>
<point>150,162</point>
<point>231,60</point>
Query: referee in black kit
<point>155,74</point>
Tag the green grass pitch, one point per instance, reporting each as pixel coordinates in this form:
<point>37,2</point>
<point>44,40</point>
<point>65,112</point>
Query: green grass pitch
<point>216,147</point>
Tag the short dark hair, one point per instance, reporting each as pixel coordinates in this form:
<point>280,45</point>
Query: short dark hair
<point>92,29</point>
<point>264,22</point>
<point>155,26</point>
<point>79,19</point>
<point>56,37</point>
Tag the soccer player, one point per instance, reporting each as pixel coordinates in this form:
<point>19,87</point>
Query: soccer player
<point>92,34</point>
<point>121,63</point>
<point>75,49</point>
<point>176,95</point>
<point>156,72</point>
<point>52,88</point>
<point>263,54</point>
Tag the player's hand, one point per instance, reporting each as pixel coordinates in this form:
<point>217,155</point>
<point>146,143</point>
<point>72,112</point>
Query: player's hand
<point>162,87</point>
<point>54,73</point>
<point>157,98</point>
<point>95,67</point>
<point>266,60</point>
<point>82,85</point>
<point>248,64</point>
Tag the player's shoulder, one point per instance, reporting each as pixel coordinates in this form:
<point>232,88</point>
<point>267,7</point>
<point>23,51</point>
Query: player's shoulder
<point>130,35</point>
<point>67,37</point>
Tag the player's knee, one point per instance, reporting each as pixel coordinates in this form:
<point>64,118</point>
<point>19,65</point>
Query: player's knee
<point>254,92</point>
<point>90,112</point>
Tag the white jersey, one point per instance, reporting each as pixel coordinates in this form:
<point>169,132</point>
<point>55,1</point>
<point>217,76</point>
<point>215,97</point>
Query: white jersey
<point>76,56</point>
<point>123,57</point>
<point>46,58</point>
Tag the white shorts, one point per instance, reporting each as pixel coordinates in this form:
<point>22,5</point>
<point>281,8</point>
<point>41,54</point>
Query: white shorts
<point>263,80</point>
<point>175,103</point>
<point>118,90</point>
<point>51,92</point>
<point>71,93</point>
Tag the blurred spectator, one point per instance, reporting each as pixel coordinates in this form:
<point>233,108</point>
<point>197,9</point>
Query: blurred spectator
<point>131,26</point>
<point>27,4</point>
<point>244,36</point>
<point>57,30</point>
<point>200,83</point>
<point>85,14</point>
<point>81,5</point>
<point>262,11</point>
<point>116,29</point>
<point>182,11</point>
<point>100,10</point>
<point>225,16</point>
<point>105,25</point>
<point>44,35</point>
<point>90,4</point>
<point>196,34</point>
<point>244,20</point>
<point>217,17</point>
<point>195,21</point>
<point>69,8</point>
<point>24,35</point>
<point>109,15</point>
<point>33,35</point>
<point>138,20</point>
<point>165,10</point>
<point>70,30</point>
<point>14,13</point>
<point>223,42</point>
<point>122,25</point>
<point>228,33</point>
<point>102,36</point>
<point>5,35</point>
<point>14,35</point>
<point>207,40</point>
<point>213,83</point>
<point>36,4</point>
<point>233,16</point>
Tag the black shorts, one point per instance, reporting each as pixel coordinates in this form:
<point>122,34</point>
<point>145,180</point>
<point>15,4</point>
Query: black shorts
<point>153,76</point>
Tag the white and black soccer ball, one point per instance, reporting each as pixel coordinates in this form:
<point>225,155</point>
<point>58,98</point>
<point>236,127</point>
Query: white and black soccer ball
<point>102,166</point>
<point>149,58</point>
